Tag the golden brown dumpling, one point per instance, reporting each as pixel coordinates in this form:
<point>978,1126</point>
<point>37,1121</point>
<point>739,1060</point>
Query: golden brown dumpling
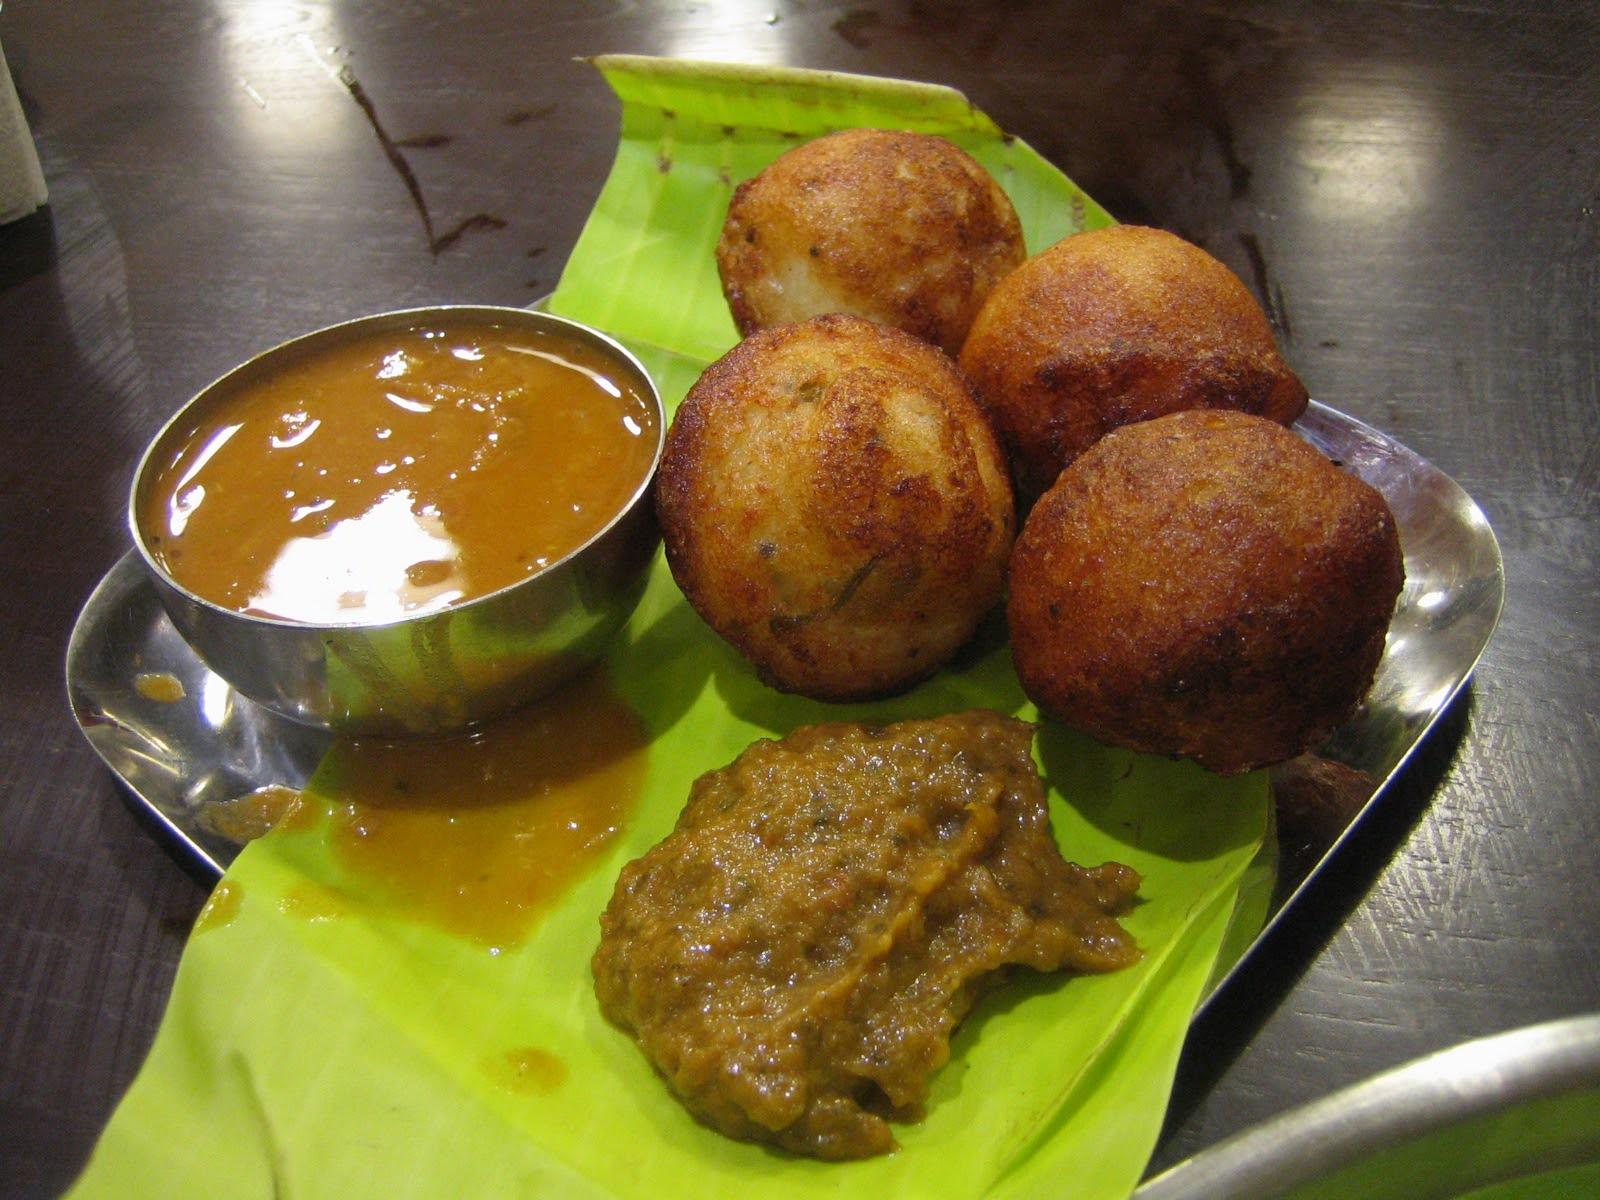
<point>1205,584</point>
<point>834,505</point>
<point>1115,326</point>
<point>901,228</point>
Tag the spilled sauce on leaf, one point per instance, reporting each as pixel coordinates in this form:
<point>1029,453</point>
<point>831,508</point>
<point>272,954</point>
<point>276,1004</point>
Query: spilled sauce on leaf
<point>527,1070</point>
<point>480,833</point>
<point>221,907</point>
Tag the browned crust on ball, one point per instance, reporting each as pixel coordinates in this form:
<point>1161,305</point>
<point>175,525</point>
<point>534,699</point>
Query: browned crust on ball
<point>1207,585</point>
<point>905,229</point>
<point>835,506</point>
<point>1115,326</point>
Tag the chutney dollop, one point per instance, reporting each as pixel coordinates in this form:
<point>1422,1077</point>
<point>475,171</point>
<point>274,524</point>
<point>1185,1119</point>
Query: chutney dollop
<point>795,955</point>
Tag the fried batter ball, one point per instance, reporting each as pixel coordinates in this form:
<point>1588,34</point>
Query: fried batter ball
<point>1205,584</point>
<point>1115,326</point>
<point>834,505</point>
<point>902,228</point>
<point>794,956</point>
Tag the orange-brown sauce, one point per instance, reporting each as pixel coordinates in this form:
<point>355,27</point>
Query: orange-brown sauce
<point>527,1070</point>
<point>313,903</point>
<point>221,907</point>
<point>161,686</point>
<point>399,473</point>
<point>247,817</point>
<point>479,833</point>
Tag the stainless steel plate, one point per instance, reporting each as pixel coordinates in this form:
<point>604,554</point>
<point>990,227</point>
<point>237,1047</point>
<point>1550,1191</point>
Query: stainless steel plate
<point>1519,1106</point>
<point>175,754</point>
<point>1448,608</point>
<point>211,744</point>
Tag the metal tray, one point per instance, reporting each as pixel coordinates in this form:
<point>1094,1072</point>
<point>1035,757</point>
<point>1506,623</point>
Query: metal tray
<point>210,744</point>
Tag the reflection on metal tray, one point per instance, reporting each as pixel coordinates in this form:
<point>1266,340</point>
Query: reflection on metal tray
<point>211,744</point>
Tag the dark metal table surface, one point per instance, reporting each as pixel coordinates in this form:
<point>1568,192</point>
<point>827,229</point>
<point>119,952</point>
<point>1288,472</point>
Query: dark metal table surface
<point>1410,188</point>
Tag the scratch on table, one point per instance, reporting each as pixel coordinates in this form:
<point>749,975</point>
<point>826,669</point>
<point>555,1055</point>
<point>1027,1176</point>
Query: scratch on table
<point>437,243</point>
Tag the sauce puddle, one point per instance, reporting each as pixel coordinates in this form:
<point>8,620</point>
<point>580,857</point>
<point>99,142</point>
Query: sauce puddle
<point>527,1070</point>
<point>480,833</point>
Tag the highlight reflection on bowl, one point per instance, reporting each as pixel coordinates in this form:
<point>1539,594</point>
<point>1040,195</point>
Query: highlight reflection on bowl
<point>409,522</point>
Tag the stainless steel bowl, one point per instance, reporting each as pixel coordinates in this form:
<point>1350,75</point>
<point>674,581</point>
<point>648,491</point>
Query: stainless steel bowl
<point>438,671</point>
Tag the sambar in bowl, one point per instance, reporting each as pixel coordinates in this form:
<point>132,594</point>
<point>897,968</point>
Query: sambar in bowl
<point>409,522</point>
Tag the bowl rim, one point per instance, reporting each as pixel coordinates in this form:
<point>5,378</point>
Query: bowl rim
<point>396,319</point>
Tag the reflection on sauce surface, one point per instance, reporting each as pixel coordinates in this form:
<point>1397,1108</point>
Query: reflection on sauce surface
<point>399,473</point>
<point>479,833</point>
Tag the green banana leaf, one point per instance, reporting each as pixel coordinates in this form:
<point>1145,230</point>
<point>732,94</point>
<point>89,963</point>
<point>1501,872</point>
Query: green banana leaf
<point>359,1051</point>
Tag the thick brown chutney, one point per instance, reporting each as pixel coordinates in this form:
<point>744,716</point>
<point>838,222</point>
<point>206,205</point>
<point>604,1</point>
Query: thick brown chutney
<point>794,956</point>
